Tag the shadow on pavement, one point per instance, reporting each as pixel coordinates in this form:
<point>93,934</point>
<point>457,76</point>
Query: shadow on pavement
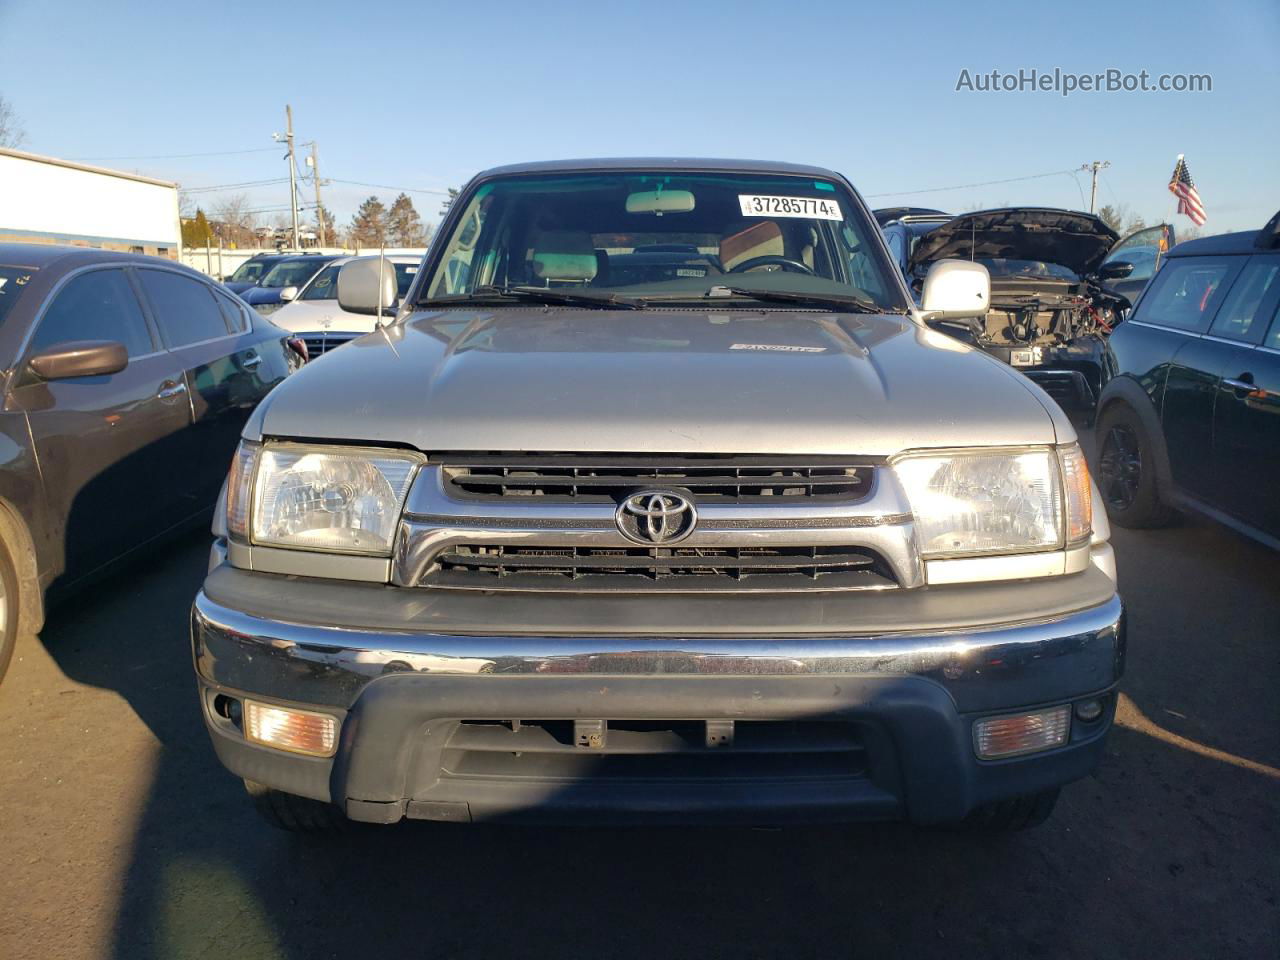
<point>1163,852</point>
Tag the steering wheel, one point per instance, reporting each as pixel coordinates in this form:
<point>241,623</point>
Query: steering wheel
<point>784,262</point>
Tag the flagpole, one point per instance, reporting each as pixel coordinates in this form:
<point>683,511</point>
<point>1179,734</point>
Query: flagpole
<point>1173,208</point>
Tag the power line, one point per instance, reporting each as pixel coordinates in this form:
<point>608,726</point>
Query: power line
<point>384,186</point>
<point>178,156</point>
<point>965,186</point>
<point>235,186</point>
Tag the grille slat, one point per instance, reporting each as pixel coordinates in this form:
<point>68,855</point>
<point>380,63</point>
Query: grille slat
<point>320,345</point>
<point>714,479</point>
<point>677,569</point>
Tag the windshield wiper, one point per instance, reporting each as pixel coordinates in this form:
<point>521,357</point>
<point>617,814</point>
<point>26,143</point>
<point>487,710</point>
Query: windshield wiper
<point>489,292</point>
<point>842,301</point>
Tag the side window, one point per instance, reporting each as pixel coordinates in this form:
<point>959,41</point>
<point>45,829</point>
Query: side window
<point>1273,338</point>
<point>1238,318</point>
<point>185,308</point>
<point>98,305</point>
<point>1186,292</point>
<point>233,312</point>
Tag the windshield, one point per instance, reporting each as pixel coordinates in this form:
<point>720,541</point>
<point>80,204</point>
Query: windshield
<point>249,272</point>
<point>291,273</point>
<point>325,284</point>
<point>12,282</point>
<point>629,238</point>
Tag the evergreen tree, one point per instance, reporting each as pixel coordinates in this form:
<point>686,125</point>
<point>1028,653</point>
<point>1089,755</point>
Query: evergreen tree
<point>405,225</point>
<point>369,225</point>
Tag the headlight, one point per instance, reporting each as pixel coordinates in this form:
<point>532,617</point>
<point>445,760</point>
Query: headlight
<point>998,501</point>
<point>337,499</point>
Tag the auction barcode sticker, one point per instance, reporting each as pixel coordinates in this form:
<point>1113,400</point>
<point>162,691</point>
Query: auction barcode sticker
<point>810,208</point>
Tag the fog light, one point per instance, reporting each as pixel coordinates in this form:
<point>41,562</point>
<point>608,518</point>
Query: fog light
<point>1089,710</point>
<point>1017,733</point>
<point>299,731</point>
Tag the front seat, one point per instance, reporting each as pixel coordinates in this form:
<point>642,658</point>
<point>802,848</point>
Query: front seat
<point>563,257</point>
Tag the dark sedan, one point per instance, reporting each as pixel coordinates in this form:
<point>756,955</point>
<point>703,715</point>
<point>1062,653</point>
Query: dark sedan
<point>126,381</point>
<point>283,281</point>
<point>251,272</point>
<point>1191,416</point>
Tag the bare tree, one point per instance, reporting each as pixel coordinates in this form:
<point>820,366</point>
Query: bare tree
<point>237,221</point>
<point>12,133</point>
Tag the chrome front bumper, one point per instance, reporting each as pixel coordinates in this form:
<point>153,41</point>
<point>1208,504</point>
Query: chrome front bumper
<point>914,694</point>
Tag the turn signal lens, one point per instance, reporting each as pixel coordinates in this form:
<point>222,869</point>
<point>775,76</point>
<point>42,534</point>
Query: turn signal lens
<point>298,731</point>
<point>1014,734</point>
<point>1079,495</point>
<point>240,487</point>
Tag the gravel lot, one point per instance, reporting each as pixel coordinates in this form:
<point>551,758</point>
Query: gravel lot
<point>122,836</point>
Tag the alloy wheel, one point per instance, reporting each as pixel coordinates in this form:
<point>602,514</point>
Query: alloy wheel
<point>1120,467</point>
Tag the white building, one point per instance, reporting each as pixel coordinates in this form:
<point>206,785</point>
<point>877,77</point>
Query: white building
<point>44,200</point>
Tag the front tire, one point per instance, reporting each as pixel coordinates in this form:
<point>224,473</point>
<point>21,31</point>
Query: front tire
<point>1127,470</point>
<point>286,811</point>
<point>10,605</point>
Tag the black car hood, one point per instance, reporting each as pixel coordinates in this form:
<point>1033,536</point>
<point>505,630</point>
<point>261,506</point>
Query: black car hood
<point>1077,241</point>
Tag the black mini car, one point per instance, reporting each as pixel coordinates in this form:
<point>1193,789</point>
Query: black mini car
<point>1191,415</point>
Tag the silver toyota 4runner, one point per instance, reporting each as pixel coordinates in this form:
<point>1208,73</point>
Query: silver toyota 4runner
<point>658,499</point>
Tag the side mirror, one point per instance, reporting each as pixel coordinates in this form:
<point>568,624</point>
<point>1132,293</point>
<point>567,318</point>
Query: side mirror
<point>289,293</point>
<point>358,286</point>
<point>1115,270</point>
<point>79,358</point>
<point>956,290</point>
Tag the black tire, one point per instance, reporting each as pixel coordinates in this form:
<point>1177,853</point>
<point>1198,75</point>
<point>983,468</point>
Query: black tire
<point>10,607</point>
<point>286,811</point>
<point>1127,470</point>
<point>1019,813</point>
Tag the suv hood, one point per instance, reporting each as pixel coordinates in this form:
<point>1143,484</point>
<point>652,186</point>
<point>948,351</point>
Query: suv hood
<point>321,316</point>
<point>1077,241</point>
<point>658,381</point>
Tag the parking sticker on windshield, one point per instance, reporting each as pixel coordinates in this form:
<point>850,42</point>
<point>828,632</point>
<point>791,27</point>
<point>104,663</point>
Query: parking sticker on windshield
<point>810,208</point>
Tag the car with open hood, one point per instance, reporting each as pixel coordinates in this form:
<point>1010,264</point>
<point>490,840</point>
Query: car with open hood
<point>1051,309</point>
<point>659,500</point>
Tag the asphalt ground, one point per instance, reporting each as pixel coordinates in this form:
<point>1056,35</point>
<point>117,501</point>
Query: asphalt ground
<point>122,837</point>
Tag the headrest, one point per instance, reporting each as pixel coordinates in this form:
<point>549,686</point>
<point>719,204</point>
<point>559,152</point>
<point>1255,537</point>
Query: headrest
<point>762,239</point>
<point>564,255</point>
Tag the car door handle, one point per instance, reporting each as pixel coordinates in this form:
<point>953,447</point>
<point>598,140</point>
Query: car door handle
<point>251,361</point>
<point>170,389</point>
<point>1243,382</point>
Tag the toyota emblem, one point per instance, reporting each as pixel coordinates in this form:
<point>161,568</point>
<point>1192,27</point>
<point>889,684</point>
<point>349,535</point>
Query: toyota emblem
<point>656,516</point>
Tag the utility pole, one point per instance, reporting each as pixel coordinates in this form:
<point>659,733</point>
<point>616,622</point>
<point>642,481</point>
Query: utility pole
<point>315,175</point>
<point>1094,167</point>
<point>293,185</point>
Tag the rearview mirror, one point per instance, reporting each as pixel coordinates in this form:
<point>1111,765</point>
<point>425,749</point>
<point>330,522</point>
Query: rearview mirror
<point>956,290</point>
<point>660,201</point>
<point>1116,270</point>
<point>358,283</point>
<point>289,293</point>
<point>79,358</point>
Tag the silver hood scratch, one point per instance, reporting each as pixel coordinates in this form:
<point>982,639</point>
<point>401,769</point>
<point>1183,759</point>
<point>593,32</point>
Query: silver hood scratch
<point>660,381</point>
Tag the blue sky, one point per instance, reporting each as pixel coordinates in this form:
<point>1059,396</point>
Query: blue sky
<point>424,94</point>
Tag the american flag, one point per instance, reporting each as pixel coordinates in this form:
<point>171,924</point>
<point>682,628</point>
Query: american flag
<point>1184,188</point>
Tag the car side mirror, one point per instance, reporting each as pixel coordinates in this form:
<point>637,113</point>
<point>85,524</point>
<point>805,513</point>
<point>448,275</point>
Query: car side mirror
<point>955,290</point>
<point>79,358</point>
<point>358,286</point>
<point>289,293</point>
<point>1115,270</point>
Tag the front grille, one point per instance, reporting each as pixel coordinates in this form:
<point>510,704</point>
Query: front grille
<point>663,569</point>
<point>320,344</point>
<point>609,479</point>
